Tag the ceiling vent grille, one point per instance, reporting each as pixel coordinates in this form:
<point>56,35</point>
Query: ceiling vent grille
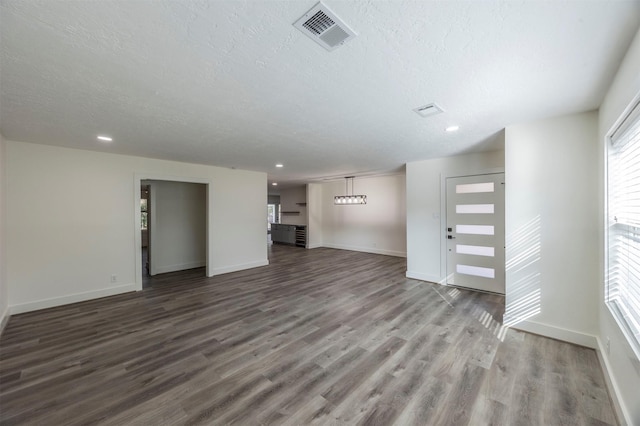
<point>321,25</point>
<point>429,109</point>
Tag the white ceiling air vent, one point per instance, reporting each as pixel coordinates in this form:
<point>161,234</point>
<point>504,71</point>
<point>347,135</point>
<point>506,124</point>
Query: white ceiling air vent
<point>429,109</point>
<point>322,26</point>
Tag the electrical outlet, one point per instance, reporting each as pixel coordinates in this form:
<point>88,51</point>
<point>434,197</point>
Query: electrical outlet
<point>114,278</point>
<point>608,346</point>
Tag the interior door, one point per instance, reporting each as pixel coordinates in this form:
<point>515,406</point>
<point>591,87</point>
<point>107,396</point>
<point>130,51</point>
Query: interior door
<point>475,232</point>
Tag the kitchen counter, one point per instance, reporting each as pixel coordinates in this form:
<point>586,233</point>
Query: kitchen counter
<point>289,234</point>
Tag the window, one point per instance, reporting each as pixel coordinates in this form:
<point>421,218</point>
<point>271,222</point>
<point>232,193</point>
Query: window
<point>273,215</point>
<point>623,227</point>
<point>144,214</point>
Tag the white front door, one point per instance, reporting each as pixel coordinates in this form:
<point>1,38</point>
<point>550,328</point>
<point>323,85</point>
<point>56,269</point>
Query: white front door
<point>475,232</point>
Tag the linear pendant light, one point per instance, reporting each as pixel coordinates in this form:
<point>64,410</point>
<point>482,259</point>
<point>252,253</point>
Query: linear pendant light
<point>349,199</point>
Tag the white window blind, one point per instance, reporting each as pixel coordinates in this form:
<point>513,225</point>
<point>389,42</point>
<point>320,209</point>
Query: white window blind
<point>623,227</point>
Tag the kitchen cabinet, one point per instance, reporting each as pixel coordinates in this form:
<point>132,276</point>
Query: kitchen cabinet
<point>289,234</point>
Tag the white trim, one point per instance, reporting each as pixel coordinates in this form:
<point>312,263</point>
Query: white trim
<point>546,330</point>
<point>180,267</point>
<point>626,113</point>
<point>631,112</point>
<point>151,226</point>
<point>621,411</point>
<point>240,267</point>
<point>4,319</point>
<point>313,246</point>
<point>425,277</point>
<point>367,250</point>
<point>71,298</point>
<point>624,328</point>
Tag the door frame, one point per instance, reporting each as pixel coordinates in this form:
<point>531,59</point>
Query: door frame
<point>443,213</point>
<point>137,181</point>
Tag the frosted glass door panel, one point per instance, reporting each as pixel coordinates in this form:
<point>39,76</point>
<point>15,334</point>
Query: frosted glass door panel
<point>476,250</point>
<point>472,188</point>
<point>475,229</point>
<point>477,271</point>
<point>475,208</point>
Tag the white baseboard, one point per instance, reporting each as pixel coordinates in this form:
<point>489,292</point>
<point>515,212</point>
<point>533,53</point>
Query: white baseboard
<point>614,391</point>
<point>4,319</point>
<point>240,267</point>
<point>179,267</point>
<point>313,246</point>
<point>71,298</point>
<point>367,250</point>
<point>588,341</point>
<point>423,277</point>
<point>571,336</point>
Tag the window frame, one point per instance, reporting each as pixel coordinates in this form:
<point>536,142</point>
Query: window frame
<point>628,118</point>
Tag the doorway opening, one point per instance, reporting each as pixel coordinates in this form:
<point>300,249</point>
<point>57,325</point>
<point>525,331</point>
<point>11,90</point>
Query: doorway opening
<point>273,213</point>
<point>172,223</point>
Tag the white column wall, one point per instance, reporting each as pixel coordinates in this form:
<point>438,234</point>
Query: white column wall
<point>4,290</point>
<point>552,227</point>
<point>314,215</point>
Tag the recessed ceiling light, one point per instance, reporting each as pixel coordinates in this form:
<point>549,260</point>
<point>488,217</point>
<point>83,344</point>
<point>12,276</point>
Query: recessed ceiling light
<point>279,165</point>
<point>275,184</point>
<point>452,129</point>
<point>105,138</point>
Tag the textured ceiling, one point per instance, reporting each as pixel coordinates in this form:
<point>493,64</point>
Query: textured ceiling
<point>234,84</point>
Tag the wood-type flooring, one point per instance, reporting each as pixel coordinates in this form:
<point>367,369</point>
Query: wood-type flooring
<point>319,336</point>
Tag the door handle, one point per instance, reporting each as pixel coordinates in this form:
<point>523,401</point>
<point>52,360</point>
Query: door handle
<point>451,237</point>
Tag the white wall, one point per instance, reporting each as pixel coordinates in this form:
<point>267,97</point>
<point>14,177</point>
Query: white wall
<point>551,226</point>
<point>425,227</point>
<point>4,293</point>
<point>376,227</point>
<point>178,226</point>
<point>621,363</point>
<point>290,200</point>
<point>73,220</point>
<point>314,215</point>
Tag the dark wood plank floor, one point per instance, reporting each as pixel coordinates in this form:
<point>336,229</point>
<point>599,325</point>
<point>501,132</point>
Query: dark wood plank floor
<point>318,337</point>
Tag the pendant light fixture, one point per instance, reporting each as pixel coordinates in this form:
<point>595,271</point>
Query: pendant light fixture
<point>349,198</point>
